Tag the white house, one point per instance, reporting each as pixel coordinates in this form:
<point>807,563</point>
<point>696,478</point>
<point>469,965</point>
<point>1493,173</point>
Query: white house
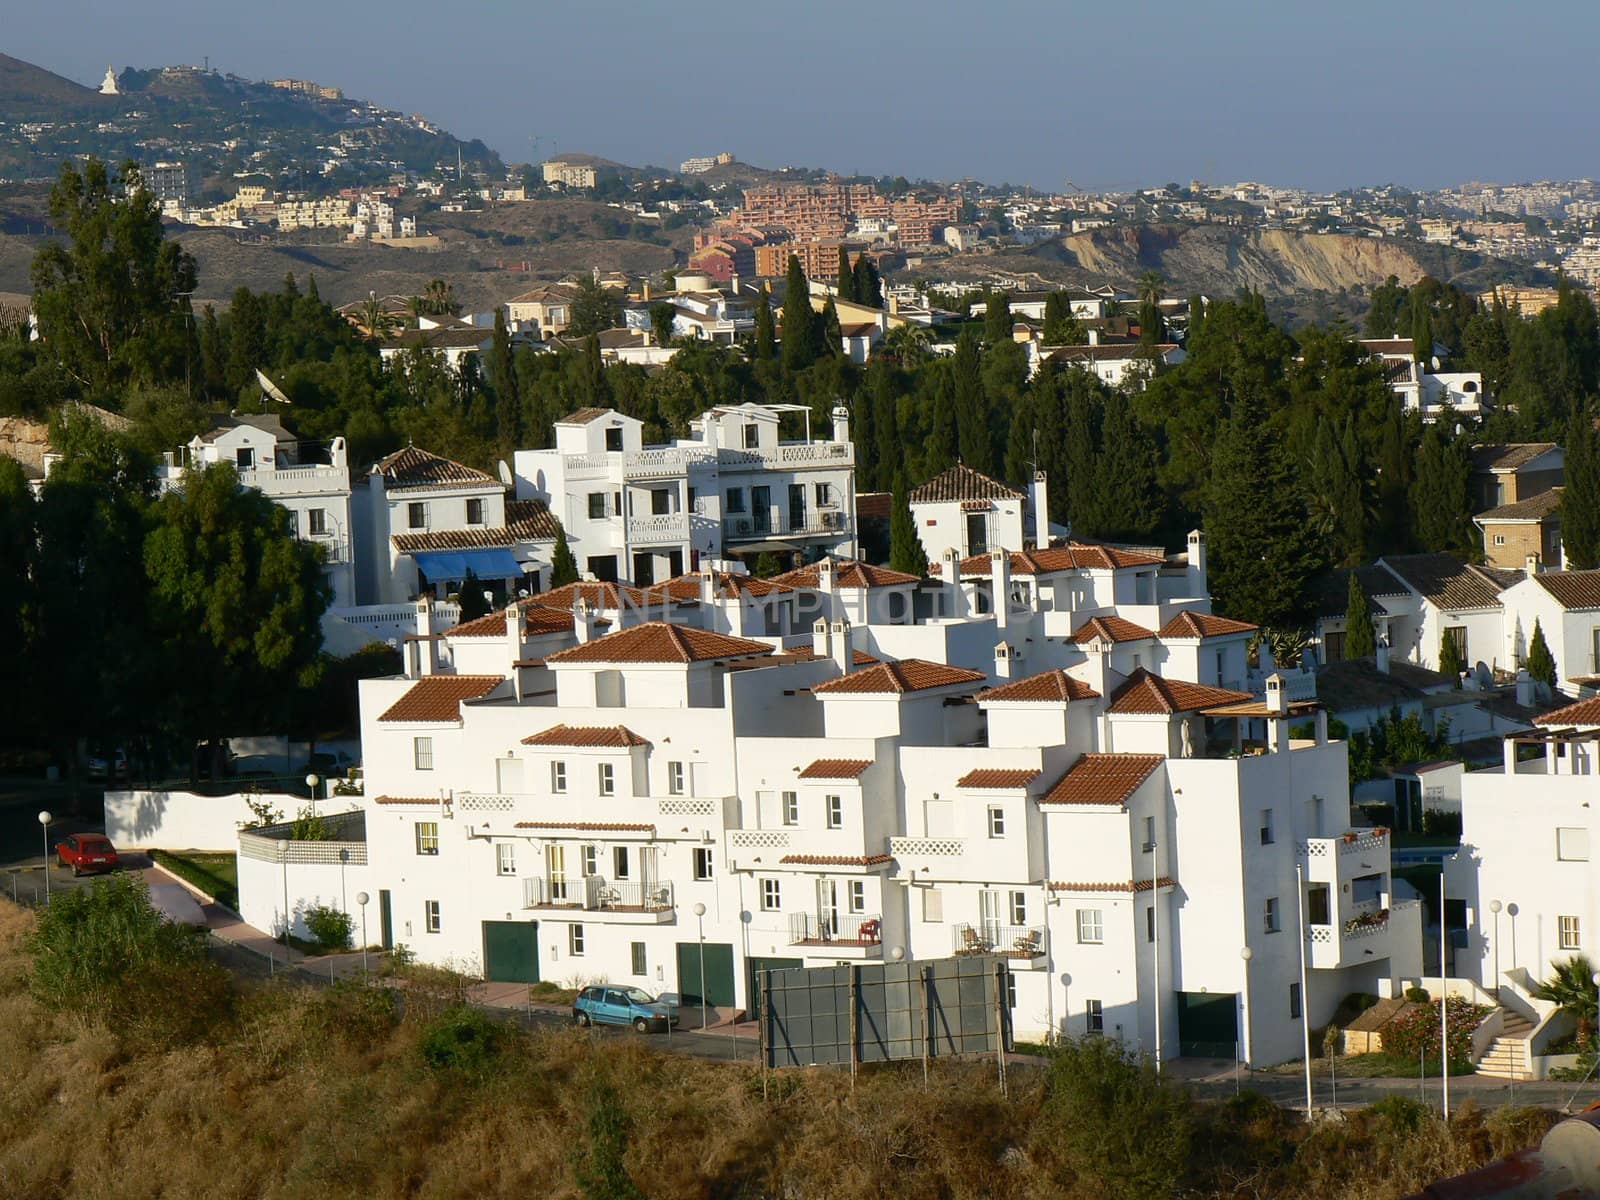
<point>1119,364</point>
<point>1566,606</point>
<point>964,510</point>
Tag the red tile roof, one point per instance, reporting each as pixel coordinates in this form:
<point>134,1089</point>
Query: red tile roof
<point>595,595</point>
<point>439,697</point>
<point>619,736</point>
<point>835,860</point>
<point>407,800</point>
<point>414,470</point>
<point>1203,625</point>
<point>906,675</point>
<point>993,778</point>
<point>1073,556</point>
<point>847,573</point>
<point>836,768</point>
<point>526,521</point>
<point>597,826</point>
<point>1132,885</point>
<point>1102,779</point>
<point>961,482</point>
<point>1047,687</point>
<point>536,618</point>
<point>1584,712</point>
<point>726,585</point>
<point>1111,629</point>
<point>659,642</point>
<point>1147,693</point>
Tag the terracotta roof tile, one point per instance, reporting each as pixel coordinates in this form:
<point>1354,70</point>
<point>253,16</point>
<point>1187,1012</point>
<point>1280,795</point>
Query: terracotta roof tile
<point>1132,885</point>
<point>596,826</point>
<point>594,594</point>
<point>835,860</point>
<point>526,521</point>
<point>536,618</point>
<point>1111,629</point>
<point>659,642</point>
<point>847,573</point>
<point>1445,580</point>
<point>619,736</point>
<point>1147,693</point>
<point>407,800</point>
<point>413,469</point>
<point>1189,624</point>
<point>874,506</point>
<point>726,585</point>
<point>836,768</point>
<point>1573,590</point>
<point>1102,779</point>
<point>993,778</point>
<point>439,697</point>
<point>1584,712</point>
<point>961,482</point>
<point>1047,687</point>
<point>906,675</point>
<point>1073,556</point>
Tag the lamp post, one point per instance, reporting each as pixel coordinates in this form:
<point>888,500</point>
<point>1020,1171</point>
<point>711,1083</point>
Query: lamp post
<point>1511,911</point>
<point>312,781</point>
<point>1245,954</point>
<point>1444,1003</point>
<point>1494,907</point>
<point>1305,1011</point>
<point>44,822</point>
<point>700,920</point>
<point>361,899</point>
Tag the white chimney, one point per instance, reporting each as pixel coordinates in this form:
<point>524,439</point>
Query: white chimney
<point>841,423</point>
<point>826,577</point>
<point>821,640</point>
<point>1277,702</point>
<point>1000,584</point>
<point>1094,336</point>
<point>583,620</point>
<point>708,585</point>
<point>1382,655</point>
<point>428,649</point>
<point>951,561</point>
<point>1006,660</point>
<point>1041,510</point>
<point>843,653</point>
<point>1531,564</point>
<point>1197,562</point>
<point>514,644</point>
<point>733,283</point>
<point>1525,693</point>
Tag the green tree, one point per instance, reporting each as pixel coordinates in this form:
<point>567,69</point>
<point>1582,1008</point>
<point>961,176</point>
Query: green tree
<point>590,388</point>
<point>832,332</point>
<point>1441,494</point>
<point>997,318</point>
<point>1571,985</point>
<point>802,334</point>
<point>766,346</point>
<point>1130,501</point>
<point>18,545</point>
<point>1383,313</point>
<point>1580,502</point>
<point>905,548</point>
<point>1450,660</point>
<point>1541,664</point>
<point>846,283</point>
<point>501,370</point>
<point>1151,292</point>
<point>473,605</point>
<point>970,405</point>
<point>563,567</point>
<point>1061,326</point>
<point>600,1166</point>
<point>1360,635</point>
<point>594,309</point>
<point>868,284</point>
<point>112,303</point>
<point>661,317</point>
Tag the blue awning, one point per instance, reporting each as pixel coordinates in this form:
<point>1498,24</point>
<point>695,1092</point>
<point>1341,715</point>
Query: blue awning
<point>495,563</point>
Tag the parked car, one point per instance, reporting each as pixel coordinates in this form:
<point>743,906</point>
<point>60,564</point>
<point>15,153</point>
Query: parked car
<point>622,1006</point>
<point>113,765</point>
<point>87,852</point>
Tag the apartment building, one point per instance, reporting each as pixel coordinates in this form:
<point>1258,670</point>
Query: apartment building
<point>572,175</point>
<point>735,487</point>
<point>819,260</point>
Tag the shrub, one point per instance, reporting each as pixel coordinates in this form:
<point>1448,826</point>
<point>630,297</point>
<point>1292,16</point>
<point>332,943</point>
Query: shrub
<point>461,1039</point>
<point>1438,823</point>
<point>1415,1032</point>
<point>601,1171</point>
<point>1418,995</point>
<point>1401,1113</point>
<point>330,928</point>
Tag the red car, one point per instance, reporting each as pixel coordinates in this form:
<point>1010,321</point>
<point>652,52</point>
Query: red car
<point>87,852</point>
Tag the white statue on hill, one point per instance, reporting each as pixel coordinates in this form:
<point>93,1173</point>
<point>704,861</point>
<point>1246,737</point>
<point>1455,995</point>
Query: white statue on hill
<point>108,86</point>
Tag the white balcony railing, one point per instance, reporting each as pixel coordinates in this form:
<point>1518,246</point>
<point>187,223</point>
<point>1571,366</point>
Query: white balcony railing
<point>658,527</point>
<point>927,847</point>
<point>990,937</point>
<point>592,893</point>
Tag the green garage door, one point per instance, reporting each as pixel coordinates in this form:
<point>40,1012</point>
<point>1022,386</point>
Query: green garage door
<point>718,976</point>
<point>752,976</point>
<point>1208,1024</point>
<point>511,951</point>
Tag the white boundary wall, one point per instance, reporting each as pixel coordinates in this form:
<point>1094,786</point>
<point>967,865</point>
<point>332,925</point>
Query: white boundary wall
<point>187,821</point>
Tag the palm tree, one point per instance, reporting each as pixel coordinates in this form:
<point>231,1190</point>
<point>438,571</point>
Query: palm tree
<point>907,343</point>
<point>374,318</point>
<point>1573,988</point>
<point>438,299</point>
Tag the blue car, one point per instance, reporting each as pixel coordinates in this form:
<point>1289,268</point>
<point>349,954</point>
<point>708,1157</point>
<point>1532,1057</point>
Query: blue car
<point>605,1005</point>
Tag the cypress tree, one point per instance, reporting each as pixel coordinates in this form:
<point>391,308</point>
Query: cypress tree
<point>942,443</point>
<point>1079,483</point>
<point>905,548</point>
<point>862,411</point>
<point>1397,468</point>
<point>885,423</point>
<point>1130,495</point>
<point>869,285</point>
<point>1197,317</point>
<point>503,383</point>
<point>847,275</point>
<point>1580,502</point>
<point>997,318</point>
<point>1421,330</point>
<point>1019,442</point>
<point>563,567</point>
<point>1441,494</point>
<point>1541,664</point>
<point>971,410</point>
<point>801,340</point>
<point>1450,658</point>
<point>591,387</point>
<point>1360,638</point>
<point>766,343</point>
<point>832,334</point>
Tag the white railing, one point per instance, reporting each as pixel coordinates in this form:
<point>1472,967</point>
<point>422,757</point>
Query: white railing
<point>291,481</point>
<point>592,893</point>
<point>445,614</point>
<point>485,801</point>
<point>758,839</point>
<point>928,847</point>
<point>659,527</point>
<point>793,454</point>
<point>991,937</point>
<point>685,806</point>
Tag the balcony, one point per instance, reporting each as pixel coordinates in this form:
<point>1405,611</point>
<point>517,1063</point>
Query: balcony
<point>1343,945</point>
<point>903,848</point>
<point>837,936</point>
<point>821,523</point>
<point>671,528</point>
<point>1340,859</point>
<point>792,455</point>
<point>625,900</point>
<point>1024,942</point>
<point>297,481</point>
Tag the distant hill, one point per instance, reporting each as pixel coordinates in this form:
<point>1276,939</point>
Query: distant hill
<point>27,90</point>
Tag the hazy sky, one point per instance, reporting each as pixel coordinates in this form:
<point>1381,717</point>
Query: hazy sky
<point>1105,94</point>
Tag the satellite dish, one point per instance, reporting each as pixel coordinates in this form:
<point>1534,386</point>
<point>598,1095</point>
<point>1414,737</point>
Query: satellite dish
<point>1435,362</point>
<point>273,391</point>
<point>505,474</point>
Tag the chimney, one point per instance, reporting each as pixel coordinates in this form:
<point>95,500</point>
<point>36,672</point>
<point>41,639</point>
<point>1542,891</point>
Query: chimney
<point>1000,585</point>
<point>1277,702</point>
<point>708,585</point>
<point>429,649</point>
<point>1525,693</point>
<point>645,296</point>
<point>1197,562</point>
<point>733,283</point>
<point>1006,658</point>
<point>894,305</point>
<point>951,574</point>
<point>337,455</point>
<point>821,640</point>
<point>1094,336</point>
<point>648,337</point>
<point>826,577</point>
<point>843,654</point>
<point>1382,653</point>
<point>1041,510</point>
<point>1531,564</point>
<point>582,620</point>
<point>841,423</point>
<point>514,644</point>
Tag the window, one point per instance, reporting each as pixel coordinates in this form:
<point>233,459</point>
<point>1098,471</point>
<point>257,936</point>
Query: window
<point>608,780</point>
<point>674,779</point>
<point>427,837</point>
<point>597,506</point>
<point>558,777</point>
<point>1266,827</point>
<point>1572,844</point>
<point>430,915</point>
<point>575,940</point>
<point>1091,926</point>
<point>1458,635</point>
<point>1149,835</point>
<point>505,859</point>
<point>1499,539</point>
<point>856,895</point>
<point>1011,990</point>
<point>791,809</point>
<point>1294,1002</point>
<point>1270,920</point>
<point>736,500</point>
<point>1150,923</point>
<point>835,808</point>
<point>637,951</point>
<point>422,753</point>
<point>997,821</point>
<point>1333,646</point>
<point>771,895</point>
<point>1569,933</point>
<point>619,862</point>
<point>1094,1017</point>
<point>1019,908</point>
<point>702,863</point>
<point>417,514</point>
<point>591,860</point>
<point>317,521</point>
<point>475,511</point>
<point>752,437</point>
<point>244,458</point>
<point>614,438</point>
<point>932,904</point>
<point>824,494</point>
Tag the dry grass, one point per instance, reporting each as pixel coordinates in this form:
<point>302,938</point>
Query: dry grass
<point>306,1093</point>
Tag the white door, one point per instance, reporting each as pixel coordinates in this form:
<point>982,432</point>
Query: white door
<point>555,861</point>
<point>940,818</point>
<point>508,776</point>
<point>991,916</point>
<point>827,908</point>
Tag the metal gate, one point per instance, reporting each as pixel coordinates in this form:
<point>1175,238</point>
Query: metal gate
<point>718,972</point>
<point>511,951</point>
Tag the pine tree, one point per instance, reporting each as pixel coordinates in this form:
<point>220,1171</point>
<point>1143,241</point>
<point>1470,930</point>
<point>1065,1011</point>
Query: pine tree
<point>1450,662</point>
<point>970,405</point>
<point>997,318</point>
<point>563,567</point>
<point>1541,664</point>
<point>1580,502</point>
<point>847,275</point>
<point>1441,494</point>
<point>905,548</point>
<point>801,336</point>
<point>1360,637</point>
<point>766,343</point>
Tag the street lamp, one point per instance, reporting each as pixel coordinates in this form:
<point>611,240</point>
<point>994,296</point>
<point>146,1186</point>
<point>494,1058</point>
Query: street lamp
<point>312,781</point>
<point>361,899</point>
<point>1246,954</point>
<point>44,821</point>
<point>700,920</point>
<point>896,953</point>
<point>1494,907</point>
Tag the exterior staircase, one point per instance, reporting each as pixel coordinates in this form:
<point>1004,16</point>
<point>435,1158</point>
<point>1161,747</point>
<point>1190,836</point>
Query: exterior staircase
<point>1507,1056</point>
